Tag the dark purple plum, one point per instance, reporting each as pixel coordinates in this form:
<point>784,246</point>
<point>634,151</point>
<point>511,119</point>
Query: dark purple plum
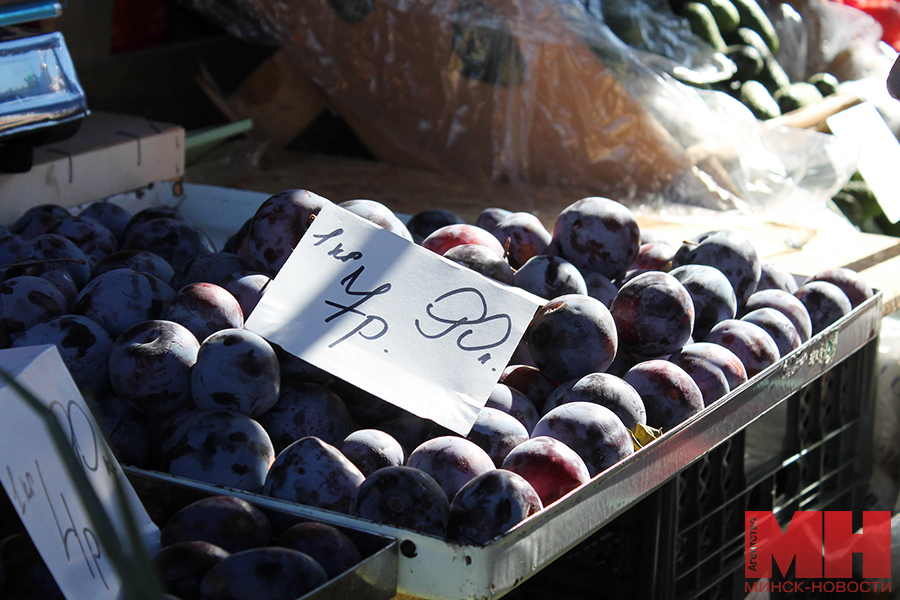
<point>239,242</point>
<point>549,465</point>
<point>83,345</point>
<point>231,523</point>
<point>571,336</point>
<point>597,234</point>
<point>524,236</point>
<point>313,473</point>
<point>122,427</point>
<point>182,566</point>
<point>94,239</point>
<point>711,293</point>
<point>851,283</point>
<point>549,277</point>
<point>490,217</point>
<point>774,277</point>
<point>306,409</point>
<point>372,449</point>
<point>403,497</point>
<point>529,380</point>
<point>220,447</point>
<point>137,260</point>
<point>294,369</point>
<point>215,267</point>
<point>653,256</point>
<point>825,302</point>
<point>26,301</point>
<point>279,223</point>
<point>751,343</point>
<point>50,271</point>
<point>715,369</point>
<point>109,214</point>
<point>497,432</point>
<point>248,290</point>
<point>326,544</point>
<point>263,574</point>
<point>623,362</point>
<point>150,366</point>
<point>489,506</point>
<point>27,575</point>
<point>482,260</point>
<point>236,369</point>
<point>442,239</point>
<point>593,431</point>
<point>150,213</point>
<point>515,403</point>
<point>730,252</point>
<point>377,213</point>
<point>13,248</point>
<point>38,220</point>
<point>52,247</point>
<point>778,325</point>
<point>600,287</point>
<point>424,222</point>
<point>451,460</point>
<point>784,302</point>
<point>670,395</point>
<point>176,241</point>
<point>205,308</point>
<point>654,314</point>
<point>121,298</point>
<point>604,389</point>
<point>408,429</point>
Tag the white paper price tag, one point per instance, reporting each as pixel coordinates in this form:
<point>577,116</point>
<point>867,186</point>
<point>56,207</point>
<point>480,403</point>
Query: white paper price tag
<point>393,318</point>
<point>36,480</point>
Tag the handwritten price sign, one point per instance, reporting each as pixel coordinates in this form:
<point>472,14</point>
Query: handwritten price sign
<point>393,318</point>
<point>39,486</point>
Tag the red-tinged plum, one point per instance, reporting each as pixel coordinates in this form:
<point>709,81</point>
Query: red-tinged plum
<point>52,272</point>
<point>220,447</point>
<point>121,298</point>
<point>150,366</point>
<point>38,220</point>
<point>313,473</point>
<point>26,301</point>
<point>372,449</point>
<point>482,260</point>
<point>109,214</point>
<point>248,290</point>
<point>448,236</point>
<point>137,260</point>
<point>524,236</point>
<point>529,380</point>
<point>489,506</point>
<point>715,369</point>
<point>236,369</point>
<point>711,293</point>
<point>784,302</point>
<point>604,389</point>
<point>239,242</point>
<point>825,302</point>
<point>150,213</point>
<point>774,277</point>
<point>751,343</point>
<point>600,287</point>
<point>215,267</point>
<point>550,466</point>
<point>306,409</point>
<point>597,234</point>
<point>95,240</point>
<point>497,432</point>
<point>670,395</point>
<point>654,315</point>
<point>27,575</point>
<point>851,283</point>
<point>279,223</point>
<point>182,566</point>
<point>263,574</point>
<point>83,345</point>
<point>424,222</point>
<point>571,336</point>
<point>515,403</point>
<point>491,216</point>
<point>378,213</point>
<point>231,523</point>
<point>403,497</point>
<point>778,326</point>
<point>174,240</point>
<point>451,460</point>
<point>591,430</point>
<point>52,247</point>
<point>122,427</point>
<point>326,544</point>
<point>730,252</point>
<point>205,308</point>
<point>549,277</point>
<point>653,256</point>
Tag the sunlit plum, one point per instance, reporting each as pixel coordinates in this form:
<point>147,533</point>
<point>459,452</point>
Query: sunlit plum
<point>515,403</point>
<point>497,432</point>
<point>491,216</point>
<point>182,566</point>
<point>306,409</point>
<point>448,236</point>
<point>491,505</point>
<point>482,260</point>
<point>372,449</point>
<point>231,523</point>
<point>403,497</point>
<point>730,252</point>
<point>26,301</point>
<point>424,222</point>
<point>451,460</point>
<point>121,298</point>
<point>784,302</point>
<point>530,381</point>
<point>215,267</point>
<point>670,395</point>
<point>269,573</point>
<point>248,290</point>
<point>549,465</point>
<point>109,214</point>
<point>549,277</point>
<point>205,308</point>
<point>137,260</point>
<point>524,236</point>
<point>751,343</point>
<point>409,430</point>
<point>778,326</point>
<point>825,302</point>
<point>654,314</point>
<point>279,223</point>
<point>774,277</point>
<point>711,293</point>
<point>851,283</point>
<point>326,544</point>
<point>715,369</point>
<point>653,256</point>
<point>604,389</point>
<point>176,241</point>
<point>377,213</point>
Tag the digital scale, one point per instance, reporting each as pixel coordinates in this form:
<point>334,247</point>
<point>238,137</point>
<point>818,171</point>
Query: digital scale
<point>41,100</point>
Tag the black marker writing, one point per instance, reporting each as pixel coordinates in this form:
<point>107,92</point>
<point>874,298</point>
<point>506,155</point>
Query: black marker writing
<point>470,322</point>
<point>364,296</point>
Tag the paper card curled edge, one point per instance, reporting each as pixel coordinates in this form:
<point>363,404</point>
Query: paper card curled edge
<point>40,488</point>
<point>393,318</point>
